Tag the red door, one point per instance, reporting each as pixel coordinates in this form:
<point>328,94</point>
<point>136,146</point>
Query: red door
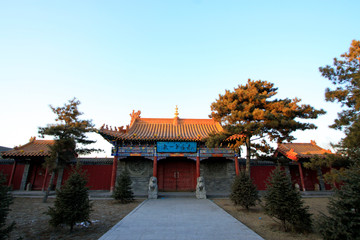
<point>170,176</point>
<point>176,175</point>
<point>36,176</point>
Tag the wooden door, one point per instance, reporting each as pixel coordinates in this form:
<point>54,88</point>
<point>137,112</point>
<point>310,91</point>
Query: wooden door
<point>176,175</point>
<point>36,176</point>
<point>169,176</point>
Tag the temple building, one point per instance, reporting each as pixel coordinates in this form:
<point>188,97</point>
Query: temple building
<point>172,150</point>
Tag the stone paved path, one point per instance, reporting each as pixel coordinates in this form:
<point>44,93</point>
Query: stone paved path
<point>179,218</point>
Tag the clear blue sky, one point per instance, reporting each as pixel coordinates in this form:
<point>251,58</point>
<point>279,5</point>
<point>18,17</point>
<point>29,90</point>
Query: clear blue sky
<point>116,56</point>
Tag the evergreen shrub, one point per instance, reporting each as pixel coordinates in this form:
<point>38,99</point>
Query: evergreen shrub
<point>72,204</point>
<point>343,221</point>
<point>123,191</point>
<point>243,191</point>
<point>283,201</point>
<point>6,200</point>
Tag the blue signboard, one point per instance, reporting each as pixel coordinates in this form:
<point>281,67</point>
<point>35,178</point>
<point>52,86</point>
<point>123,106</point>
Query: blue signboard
<point>176,147</point>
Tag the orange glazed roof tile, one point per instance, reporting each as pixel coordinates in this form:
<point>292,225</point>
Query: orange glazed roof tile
<point>296,151</point>
<point>165,129</point>
<point>34,148</point>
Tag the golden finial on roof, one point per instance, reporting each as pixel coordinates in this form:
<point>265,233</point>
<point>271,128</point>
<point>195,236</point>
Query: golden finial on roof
<point>176,111</point>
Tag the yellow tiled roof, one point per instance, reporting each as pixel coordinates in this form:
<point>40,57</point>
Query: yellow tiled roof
<point>165,129</point>
<point>295,151</point>
<point>34,148</point>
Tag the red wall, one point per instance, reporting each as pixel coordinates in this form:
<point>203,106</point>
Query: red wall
<point>6,170</point>
<point>99,176</point>
<point>19,170</point>
<point>310,177</point>
<point>260,174</point>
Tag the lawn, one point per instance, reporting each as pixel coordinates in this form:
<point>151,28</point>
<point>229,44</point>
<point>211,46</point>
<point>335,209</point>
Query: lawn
<point>265,226</point>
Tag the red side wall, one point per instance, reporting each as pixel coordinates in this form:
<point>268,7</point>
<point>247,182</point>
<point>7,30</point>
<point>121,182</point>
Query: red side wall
<point>260,174</point>
<point>19,170</point>
<point>310,177</point>
<point>99,176</point>
<point>6,170</point>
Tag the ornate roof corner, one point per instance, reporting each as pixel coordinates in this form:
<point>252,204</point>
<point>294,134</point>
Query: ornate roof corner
<point>134,115</point>
<point>292,155</point>
<point>32,139</point>
<point>301,151</point>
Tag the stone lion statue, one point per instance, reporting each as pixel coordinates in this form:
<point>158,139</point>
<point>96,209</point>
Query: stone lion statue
<point>153,188</point>
<point>200,188</point>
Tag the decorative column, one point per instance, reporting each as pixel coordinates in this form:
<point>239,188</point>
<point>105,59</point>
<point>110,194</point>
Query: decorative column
<point>155,164</point>
<point>236,165</point>
<point>44,182</point>
<point>113,174</point>
<point>321,179</point>
<point>301,176</point>
<point>198,164</point>
<point>59,177</point>
<point>12,173</point>
<point>24,176</point>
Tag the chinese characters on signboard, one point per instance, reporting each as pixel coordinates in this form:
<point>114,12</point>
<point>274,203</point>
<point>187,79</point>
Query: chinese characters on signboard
<point>176,147</point>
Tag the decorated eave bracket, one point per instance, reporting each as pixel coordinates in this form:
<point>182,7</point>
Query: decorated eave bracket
<point>150,152</point>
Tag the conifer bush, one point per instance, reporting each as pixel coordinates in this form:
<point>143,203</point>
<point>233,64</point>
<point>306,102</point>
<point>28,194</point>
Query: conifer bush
<point>123,191</point>
<point>72,204</point>
<point>243,191</point>
<point>343,221</point>
<point>5,202</point>
<point>283,202</point>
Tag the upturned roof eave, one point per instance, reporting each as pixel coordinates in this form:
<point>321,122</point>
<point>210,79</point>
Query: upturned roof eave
<point>119,138</point>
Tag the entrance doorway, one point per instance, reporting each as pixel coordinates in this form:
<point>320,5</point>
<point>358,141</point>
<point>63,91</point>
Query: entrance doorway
<point>176,174</point>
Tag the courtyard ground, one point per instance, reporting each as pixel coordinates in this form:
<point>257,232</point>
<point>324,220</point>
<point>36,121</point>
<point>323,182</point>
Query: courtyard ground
<point>31,223</point>
<point>266,227</point>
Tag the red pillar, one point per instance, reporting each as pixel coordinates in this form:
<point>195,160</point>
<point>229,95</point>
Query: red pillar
<point>44,182</point>
<point>301,177</point>
<point>113,174</point>
<point>236,166</point>
<point>155,166</point>
<point>197,166</point>
<point>12,174</point>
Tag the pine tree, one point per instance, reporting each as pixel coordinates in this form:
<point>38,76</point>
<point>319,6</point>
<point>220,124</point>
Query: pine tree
<point>70,134</point>
<point>343,221</point>
<point>283,201</point>
<point>72,202</point>
<point>5,201</point>
<point>243,191</point>
<point>123,191</point>
<point>344,209</point>
<point>251,112</point>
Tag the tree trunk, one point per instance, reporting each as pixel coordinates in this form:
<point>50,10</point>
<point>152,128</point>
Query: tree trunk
<point>248,154</point>
<point>51,184</point>
<point>321,179</point>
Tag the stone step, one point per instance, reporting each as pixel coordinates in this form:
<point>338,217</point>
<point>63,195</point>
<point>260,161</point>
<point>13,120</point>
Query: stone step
<point>176,195</point>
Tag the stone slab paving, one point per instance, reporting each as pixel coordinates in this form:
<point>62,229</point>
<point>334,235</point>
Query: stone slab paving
<point>179,218</point>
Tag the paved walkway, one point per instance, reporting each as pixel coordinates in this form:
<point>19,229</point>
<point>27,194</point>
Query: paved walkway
<point>179,218</point>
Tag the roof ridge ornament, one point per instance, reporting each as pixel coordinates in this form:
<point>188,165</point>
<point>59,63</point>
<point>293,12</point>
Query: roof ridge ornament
<point>176,117</point>
<point>176,111</point>
<point>134,115</point>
